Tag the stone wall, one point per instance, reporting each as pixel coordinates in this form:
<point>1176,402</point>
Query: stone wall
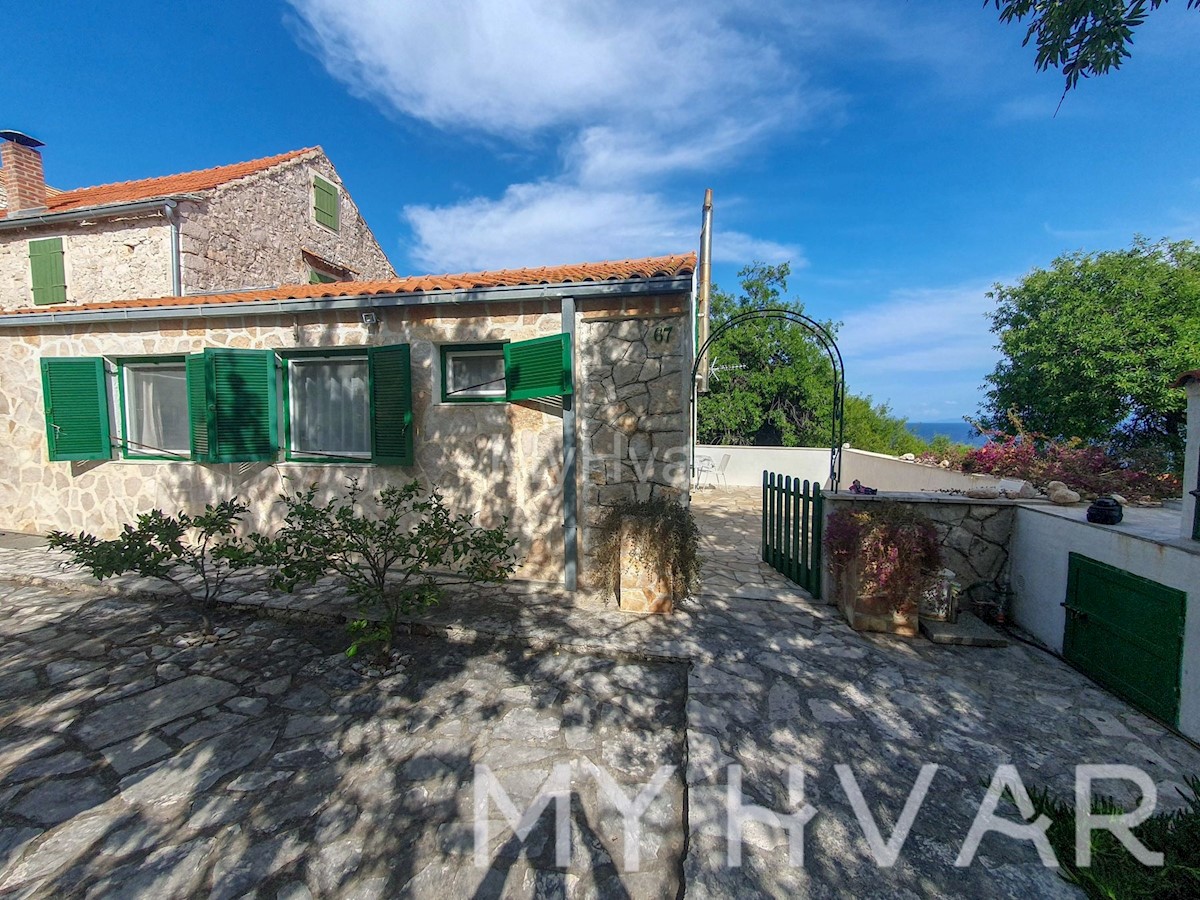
<point>633,412</point>
<point>104,260</point>
<point>245,234</point>
<point>250,232</point>
<point>974,535</point>
<point>495,458</point>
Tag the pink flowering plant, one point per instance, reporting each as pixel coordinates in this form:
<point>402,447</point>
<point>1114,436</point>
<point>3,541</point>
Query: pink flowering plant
<point>892,550</point>
<point>1090,469</point>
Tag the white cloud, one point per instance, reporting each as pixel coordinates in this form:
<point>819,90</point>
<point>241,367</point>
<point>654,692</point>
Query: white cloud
<point>550,223</point>
<point>896,349</point>
<point>634,93</point>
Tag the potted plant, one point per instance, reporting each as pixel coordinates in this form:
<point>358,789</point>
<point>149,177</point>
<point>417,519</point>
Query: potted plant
<point>883,558</point>
<point>649,558</point>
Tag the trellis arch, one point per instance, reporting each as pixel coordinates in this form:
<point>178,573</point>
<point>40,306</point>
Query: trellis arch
<point>828,344</point>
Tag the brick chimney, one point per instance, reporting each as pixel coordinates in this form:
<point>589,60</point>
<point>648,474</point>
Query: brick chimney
<point>24,178</point>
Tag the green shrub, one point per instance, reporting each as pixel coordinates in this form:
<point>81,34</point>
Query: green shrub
<point>393,561</point>
<point>177,549</point>
<point>1114,871</point>
<point>666,529</point>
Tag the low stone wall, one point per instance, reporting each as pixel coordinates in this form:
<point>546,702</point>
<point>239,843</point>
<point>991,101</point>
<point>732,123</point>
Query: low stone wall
<point>974,535</point>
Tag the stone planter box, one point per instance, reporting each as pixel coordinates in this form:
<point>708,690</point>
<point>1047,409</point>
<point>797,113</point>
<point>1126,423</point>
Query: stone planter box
<point>643,586</point>
<point>870,612</point>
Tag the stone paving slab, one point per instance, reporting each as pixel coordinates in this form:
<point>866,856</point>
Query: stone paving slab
<point>265,764</point>
<point>776,680</point>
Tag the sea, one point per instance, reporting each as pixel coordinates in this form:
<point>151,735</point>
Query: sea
<point>959,432</point>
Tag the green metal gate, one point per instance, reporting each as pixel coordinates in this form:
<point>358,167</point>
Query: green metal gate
<point>1126,632</point>
<point>792,518</point>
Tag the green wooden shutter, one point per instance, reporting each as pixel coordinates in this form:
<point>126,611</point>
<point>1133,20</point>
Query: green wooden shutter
<point>325,202</point>
<point>231,405</point>
<point>75,392</point>
<point>538,368</point>
<point>197,392</point>
<point>391,405</point>
<point>49,274</point>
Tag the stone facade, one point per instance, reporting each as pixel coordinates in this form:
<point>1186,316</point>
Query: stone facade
<point>495,458</point>
<point>250,232</point>
<point>104,260</point>
<point>246,233</point>
<point>974,537</point>
<point>634,411</point>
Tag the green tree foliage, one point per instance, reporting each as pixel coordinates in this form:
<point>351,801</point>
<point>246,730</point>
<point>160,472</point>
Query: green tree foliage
<point>772,381</point>
<point>394,551</point>
<point>872,426</point>
<point>1080,37</point>
<point>194,554</point>
<point>1092,344</point>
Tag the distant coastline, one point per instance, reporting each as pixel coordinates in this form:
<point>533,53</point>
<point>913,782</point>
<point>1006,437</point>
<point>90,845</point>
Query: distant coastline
<point>959,432</point>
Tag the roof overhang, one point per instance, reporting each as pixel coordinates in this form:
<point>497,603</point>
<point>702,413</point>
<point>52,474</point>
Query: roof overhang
<point>1187,378</point>
<point>674,284</point>
<point>16,222</point>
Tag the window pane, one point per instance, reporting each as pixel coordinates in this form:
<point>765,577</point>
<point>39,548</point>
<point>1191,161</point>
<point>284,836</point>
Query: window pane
<point>330,407</point>
<point>156,409</point>
<point>475,373</point>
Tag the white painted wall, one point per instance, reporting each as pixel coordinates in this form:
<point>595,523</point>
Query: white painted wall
<point>877,470</point>
<point>1038,553</point>
<point>1191,465</point>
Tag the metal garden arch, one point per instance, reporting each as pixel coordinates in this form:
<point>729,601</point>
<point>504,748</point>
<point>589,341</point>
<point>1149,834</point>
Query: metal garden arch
<point>821,333</point>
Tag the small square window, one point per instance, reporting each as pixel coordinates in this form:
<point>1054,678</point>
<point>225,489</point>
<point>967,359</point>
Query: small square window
<point>329,407</point>
<point>155,410</point>
<point>473,373</point>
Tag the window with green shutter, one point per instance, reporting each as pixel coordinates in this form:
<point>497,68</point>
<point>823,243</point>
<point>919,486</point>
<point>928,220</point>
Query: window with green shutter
<point>75,394</point>
<point>231,405</point>
<point>348,404</point>
<point>49,275</point>
<point>538,368</point>
<point>325,203</point>
<point>316,276</point>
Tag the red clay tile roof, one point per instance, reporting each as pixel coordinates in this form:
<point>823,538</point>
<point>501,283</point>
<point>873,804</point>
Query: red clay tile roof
<point>1186,378</point>
<point>165,186</point>
<point>621,270</point>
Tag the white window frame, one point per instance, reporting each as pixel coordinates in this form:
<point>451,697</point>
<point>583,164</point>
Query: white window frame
<point>291,452</point>
<point>491,394</point>
<point>126,394</point>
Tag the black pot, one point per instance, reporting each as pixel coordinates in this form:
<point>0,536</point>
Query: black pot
<point>1105,511</point>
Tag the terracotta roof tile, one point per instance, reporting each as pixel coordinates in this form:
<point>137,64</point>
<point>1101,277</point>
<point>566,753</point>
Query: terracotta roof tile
<point>1186,378</point>
<point>165,186</point>
<point>621,270</point>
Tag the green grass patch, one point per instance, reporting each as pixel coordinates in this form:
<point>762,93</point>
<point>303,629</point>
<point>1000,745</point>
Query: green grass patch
<point>1115,872</point>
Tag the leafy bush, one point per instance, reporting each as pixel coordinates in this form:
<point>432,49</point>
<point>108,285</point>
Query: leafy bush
<point>177,549</point>
<point>1114,871</point>
<point>894,549</point>
<point>1088,468</point>
<point>666,529</point>
<point>393,561</point>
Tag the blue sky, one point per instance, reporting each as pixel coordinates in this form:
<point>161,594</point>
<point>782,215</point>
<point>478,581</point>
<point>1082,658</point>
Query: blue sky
<point>904,156</point>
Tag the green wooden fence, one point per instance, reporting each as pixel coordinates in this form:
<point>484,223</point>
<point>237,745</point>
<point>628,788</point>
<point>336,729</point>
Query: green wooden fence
<point>792,520</point>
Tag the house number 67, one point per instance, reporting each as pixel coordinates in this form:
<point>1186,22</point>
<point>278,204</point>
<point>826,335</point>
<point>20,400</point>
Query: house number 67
<point>662,333</point>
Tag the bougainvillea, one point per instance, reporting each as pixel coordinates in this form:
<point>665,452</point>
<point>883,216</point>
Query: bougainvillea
<point>1088,468</point>
<point>894,549</point>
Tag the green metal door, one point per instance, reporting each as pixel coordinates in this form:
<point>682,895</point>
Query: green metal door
<point>1126,632</point>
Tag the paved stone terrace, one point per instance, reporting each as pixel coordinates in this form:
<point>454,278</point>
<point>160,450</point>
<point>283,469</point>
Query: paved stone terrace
<point>775,679</point>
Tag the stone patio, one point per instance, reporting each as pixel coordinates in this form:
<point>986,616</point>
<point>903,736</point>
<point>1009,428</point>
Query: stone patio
<point>375,799</point>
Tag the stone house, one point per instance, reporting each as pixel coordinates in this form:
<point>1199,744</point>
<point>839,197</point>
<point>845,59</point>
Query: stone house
<point>284,219</point>
<point>544,394</point>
